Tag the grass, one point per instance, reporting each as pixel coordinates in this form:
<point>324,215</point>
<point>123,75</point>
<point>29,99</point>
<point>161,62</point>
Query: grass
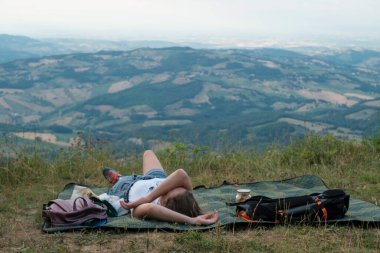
<point>30,177</point>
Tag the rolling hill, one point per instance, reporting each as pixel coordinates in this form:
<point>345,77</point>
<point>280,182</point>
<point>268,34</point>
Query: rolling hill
<point>205,96</point>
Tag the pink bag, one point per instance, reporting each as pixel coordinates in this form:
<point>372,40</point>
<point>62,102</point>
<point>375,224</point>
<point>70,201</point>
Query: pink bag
<point>72,212</point>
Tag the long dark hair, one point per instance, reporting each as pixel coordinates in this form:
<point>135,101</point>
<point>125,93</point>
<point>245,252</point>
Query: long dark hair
<point>184,203</point>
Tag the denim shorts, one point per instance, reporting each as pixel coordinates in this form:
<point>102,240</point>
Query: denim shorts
<point>124,184</point>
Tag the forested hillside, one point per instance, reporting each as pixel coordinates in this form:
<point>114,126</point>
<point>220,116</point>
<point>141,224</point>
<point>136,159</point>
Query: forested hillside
<point>148,96</point>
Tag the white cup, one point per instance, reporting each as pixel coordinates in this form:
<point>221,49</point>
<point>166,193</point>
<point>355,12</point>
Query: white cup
<point>242,195</point>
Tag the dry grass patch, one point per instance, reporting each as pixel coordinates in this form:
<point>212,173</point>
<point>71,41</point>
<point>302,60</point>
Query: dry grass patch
<point>46,137</point>
<point>30,179</point>
<point>119,86</point>
<point>328,96</point>
<point>312,126</point>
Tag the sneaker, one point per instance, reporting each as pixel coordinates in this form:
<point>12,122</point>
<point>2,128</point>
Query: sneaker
<point>111,175</point>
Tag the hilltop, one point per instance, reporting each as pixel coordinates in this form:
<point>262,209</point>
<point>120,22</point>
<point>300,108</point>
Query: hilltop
<point>31,179</point>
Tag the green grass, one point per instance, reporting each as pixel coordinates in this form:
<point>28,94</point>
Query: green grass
<point>29,179</point>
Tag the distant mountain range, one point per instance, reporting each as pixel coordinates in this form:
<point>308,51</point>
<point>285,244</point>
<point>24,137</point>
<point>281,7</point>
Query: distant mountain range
<point>14,47</point>
<point>203,96</point>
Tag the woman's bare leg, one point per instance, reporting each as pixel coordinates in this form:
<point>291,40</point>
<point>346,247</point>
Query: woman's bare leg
<point>150,161</point>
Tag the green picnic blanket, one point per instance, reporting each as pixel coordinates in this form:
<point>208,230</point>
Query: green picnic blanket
<point>215,198</point>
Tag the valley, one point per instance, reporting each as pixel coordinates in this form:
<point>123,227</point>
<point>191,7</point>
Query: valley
<point>203,96</point>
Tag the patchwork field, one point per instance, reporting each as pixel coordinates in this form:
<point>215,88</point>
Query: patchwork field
<point>50,138</point>
<point>194,95</point>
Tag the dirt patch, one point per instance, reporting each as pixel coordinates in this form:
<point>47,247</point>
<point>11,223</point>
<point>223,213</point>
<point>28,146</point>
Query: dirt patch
<point>328,96</point>
<point>125,113</point>
<point>103,56</point>
<point>144,64</point>
<point>366,70</point>
<point>31,118</point>
<point>281,106</point>
<point>182,112</point>
<point>215,90</point>
<point>135,80</point>
<point>101,70</point>
<point>269,64</point>
<point>275,87</point>
<point>46,137</point>
<point>176,109</point>
<point>63,121</point>
<point>361,115</point>
<point>119,86</point>
<point>81,69</point>
<point>162,123</point>
<point>33,136</point>
<point>105,108</point>
<point>346,133</point>
<point>57,97</point>
<point>6,119</point>
<point>11,91</point>
<point>160,78</point>
<point>43,62</point>
<point>203,96</point>
<point>312,106</point>
<point>181,80</point>
<point>137,141</point>
<point>114,112</point>
<point>373,103</point>
<point>80,94</point>
<point>4,104</point>
<point>312,126</point>
<point>221,65</point>
<point>360,96</point>
<point>158,145</point>
<point>307,107</point>
<point>31,106</point>
<point>321,62</point>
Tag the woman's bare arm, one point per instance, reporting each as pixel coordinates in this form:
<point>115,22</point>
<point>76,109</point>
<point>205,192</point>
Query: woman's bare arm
<point>162,213</point>
<point>177,179</point>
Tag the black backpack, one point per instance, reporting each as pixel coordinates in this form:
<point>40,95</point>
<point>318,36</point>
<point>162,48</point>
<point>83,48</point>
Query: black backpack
<point>318,207</point>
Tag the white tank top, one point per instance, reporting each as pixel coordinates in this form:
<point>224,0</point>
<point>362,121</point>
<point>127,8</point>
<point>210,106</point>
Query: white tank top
<point>143,187</point>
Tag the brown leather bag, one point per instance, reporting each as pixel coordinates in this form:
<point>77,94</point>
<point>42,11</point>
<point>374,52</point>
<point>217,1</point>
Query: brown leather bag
<point>72,212</point>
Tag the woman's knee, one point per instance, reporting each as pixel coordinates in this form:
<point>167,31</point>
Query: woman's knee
<point>148,153</point>
<point>150,161</point>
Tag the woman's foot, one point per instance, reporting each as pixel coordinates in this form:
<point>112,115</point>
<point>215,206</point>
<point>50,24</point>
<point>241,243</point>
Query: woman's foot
<point>111,175</point>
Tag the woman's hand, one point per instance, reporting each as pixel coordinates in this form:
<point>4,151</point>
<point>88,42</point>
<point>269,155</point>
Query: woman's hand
<point>133,204</point>
<point>205,219</point>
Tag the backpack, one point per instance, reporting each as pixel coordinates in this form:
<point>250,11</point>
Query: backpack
<point>329,205</point>
<point>73,212</point>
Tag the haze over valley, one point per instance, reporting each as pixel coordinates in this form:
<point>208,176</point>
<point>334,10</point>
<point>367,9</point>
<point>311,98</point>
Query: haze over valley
<point>167,92</point>
<point>144,74</point>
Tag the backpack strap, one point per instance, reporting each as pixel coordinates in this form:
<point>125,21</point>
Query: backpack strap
<point>323,208</point>
<point>257,198</point>
<point>242,214</point>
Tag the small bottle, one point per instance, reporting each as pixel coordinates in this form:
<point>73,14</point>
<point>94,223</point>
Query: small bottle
<point>242,195</point>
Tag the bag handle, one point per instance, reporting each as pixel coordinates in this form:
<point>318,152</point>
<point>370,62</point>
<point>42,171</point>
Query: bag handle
<point>75,201</point>
<point>57,204</point>
<point>258,198</point>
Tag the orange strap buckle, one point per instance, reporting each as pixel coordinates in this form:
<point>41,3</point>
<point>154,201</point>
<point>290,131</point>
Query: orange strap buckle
<point>244,216</point>
<point>324,211</point>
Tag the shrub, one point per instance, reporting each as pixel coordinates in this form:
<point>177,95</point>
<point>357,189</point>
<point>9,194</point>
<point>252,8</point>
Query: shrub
<point>313,150</point>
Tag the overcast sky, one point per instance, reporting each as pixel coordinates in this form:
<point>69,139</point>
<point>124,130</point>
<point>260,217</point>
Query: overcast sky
<point>190,19</point>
